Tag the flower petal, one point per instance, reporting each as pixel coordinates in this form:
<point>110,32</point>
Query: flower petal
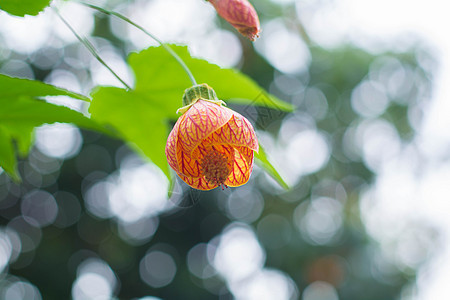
<point>240,14</point>
<point>171,147</point>
<point>202,119</point>
<point>198,183</point>
<point>242,167</point>
<point>187,165</point>
<point>238,131</point>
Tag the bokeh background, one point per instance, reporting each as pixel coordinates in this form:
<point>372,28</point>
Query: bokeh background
<point>366,153</point>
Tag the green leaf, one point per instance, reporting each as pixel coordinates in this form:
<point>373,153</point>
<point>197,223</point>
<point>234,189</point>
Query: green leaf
<point>23,7</point>
<point>12,87</point>
<point>137,117</point>
<point>7,157</point>
<point>19,117</point>
<point>159,73</point>
<point>20,113</point>
<point>263,161</point>
<point>142,116</point>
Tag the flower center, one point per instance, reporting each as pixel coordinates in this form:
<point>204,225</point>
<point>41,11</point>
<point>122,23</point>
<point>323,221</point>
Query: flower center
<point>215,167</point>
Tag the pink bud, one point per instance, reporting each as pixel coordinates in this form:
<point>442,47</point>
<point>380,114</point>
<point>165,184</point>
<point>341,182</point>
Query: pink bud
<point>241,14</point>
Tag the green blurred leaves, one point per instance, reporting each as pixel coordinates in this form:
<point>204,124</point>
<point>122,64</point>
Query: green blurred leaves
<point>21,111</point>
<point>11,87</point>
<point>142,116</point>
<point>165,78</point>
<point>23,7</point>
<point>137,118</point>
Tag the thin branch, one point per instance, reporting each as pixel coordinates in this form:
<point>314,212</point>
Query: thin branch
<point>91,49</point>
<point>164,45</point>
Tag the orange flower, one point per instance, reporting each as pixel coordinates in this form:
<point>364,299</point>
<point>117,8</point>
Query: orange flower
<point>210,145</point>
<point>240,14</point>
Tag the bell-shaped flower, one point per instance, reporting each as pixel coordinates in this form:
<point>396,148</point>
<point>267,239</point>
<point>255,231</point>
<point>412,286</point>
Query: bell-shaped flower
<point>210,145</point>
<point>240,14</point>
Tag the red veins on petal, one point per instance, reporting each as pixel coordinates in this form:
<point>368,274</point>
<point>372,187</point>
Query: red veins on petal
<point>211,145</point>
<point>242,168</point>
<point>237,132</point>
<point>240,14</point>
<point>171,147</point>
<point>202,119</point>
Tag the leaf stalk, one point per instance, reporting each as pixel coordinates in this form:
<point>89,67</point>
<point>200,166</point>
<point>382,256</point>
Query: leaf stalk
<point>90,48</point>
<point>164,45</point>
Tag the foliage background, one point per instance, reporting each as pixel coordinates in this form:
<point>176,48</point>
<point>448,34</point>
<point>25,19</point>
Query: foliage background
<point>91,218</point>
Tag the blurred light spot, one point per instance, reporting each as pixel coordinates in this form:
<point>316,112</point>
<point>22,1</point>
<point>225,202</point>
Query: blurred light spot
<point>320,290</point>
<point>5,52</point>
<point>329,188</point>
<point>95,280</point>
<point>46,58</point>
<point>316,103</point>
<point>288,84</point>
<point>394,76</point>
<point>69,209</point>
<point>284,49</point>
<point>5,250</point>
<point>58,140</point>
<point>323,23</point>
<point>27,34</point>
<point>294,123</point>
<point>79,17</point>
<point>162,20</point>
<point>43,163</point>
<point>238,253</point>
<point>29,232</point>
<point>40,206</point>
<point>14,241</point>
<point>97,201</point>
<point>414,246</point>
<point>306,152</point>
<point>266,285</point>
<point>78,58</point>
<point>17,68</point>
<point>274,231</point>
<point>91,286</point>
<point>220,47</point>
<point>197,261</point>
<point>369,99</point>
<point>157,269</point>
<point>140,231</point>
<point>349,144</point>
<point>245,205</point>
<point>98,266</point>
<point>21,290</point>
<point>31,175</point>
<point>320,221</point>
<point>379,142</point>
<point>149,298</point>
<point>283,2</point>
<point>139,190</point>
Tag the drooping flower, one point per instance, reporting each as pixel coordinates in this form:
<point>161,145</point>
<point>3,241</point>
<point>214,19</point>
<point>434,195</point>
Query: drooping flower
<point>240,14</point>
<point>210,145</point>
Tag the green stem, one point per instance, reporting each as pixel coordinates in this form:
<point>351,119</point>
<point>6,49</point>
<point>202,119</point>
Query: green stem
<point>165,46</point>
<point>91,49</point>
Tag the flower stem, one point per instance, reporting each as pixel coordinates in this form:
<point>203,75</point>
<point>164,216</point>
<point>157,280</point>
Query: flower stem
<point>164,45</point>
<point>91,48</point>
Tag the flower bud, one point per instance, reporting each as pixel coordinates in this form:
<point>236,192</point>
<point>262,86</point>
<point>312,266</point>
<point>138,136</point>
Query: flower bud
<point>240,14</point>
